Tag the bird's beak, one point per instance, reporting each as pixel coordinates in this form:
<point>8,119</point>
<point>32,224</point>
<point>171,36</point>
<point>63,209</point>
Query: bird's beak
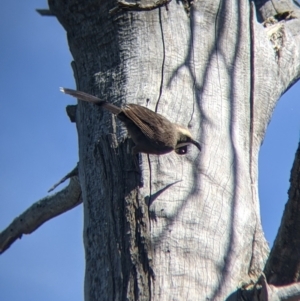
<point>197,144</point>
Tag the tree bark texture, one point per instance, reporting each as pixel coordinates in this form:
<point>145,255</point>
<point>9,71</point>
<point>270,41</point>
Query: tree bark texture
<point>188,227</point>
<point>283,265</point>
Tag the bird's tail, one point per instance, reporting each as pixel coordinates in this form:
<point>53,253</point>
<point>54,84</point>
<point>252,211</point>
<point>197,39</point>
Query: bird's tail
<point>93,99</point>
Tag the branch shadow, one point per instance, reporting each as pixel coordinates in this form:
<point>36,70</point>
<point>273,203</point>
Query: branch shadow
<point>232,68</point>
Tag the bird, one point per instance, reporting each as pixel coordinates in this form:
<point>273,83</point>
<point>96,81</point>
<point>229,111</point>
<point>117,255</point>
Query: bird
<point>151,132</point>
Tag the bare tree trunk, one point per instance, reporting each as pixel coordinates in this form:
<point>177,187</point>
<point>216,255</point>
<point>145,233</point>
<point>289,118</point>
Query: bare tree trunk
<point>283,265</point>
<point>188,227</point>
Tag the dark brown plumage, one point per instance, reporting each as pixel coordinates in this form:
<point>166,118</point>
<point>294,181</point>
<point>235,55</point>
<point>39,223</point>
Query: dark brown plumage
<point>151,132</point>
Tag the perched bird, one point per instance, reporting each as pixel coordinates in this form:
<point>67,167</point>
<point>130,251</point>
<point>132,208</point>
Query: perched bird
<point>151,132</point>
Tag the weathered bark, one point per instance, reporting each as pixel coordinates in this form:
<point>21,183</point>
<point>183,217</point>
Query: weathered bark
<point>188,227</point>
<point>283,265</point>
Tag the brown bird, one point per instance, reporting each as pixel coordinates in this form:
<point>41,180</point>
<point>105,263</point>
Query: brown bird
<point>151,132</point>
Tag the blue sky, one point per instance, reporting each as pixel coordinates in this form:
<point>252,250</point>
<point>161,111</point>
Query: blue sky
<point>39,145</point>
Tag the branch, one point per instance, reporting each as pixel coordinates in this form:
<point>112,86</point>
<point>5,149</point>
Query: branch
<point>45,12</point>
<point>270,8</point>
<point>71,112</point>
<point>71,174</point>
<point>283,265</point>
<point>272,293</point>
<point>40,212</point>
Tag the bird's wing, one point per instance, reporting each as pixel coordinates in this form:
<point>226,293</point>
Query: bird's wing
<point>152,124</point>
<point>93,99</point>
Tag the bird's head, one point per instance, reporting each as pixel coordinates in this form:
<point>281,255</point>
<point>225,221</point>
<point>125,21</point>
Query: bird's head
<point>184,138</point>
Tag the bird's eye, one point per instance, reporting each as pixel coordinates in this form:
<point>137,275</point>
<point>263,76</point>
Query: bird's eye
<point>181,150</point>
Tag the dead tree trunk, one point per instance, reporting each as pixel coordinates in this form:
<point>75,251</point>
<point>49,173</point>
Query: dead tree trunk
<point>188,227</point>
